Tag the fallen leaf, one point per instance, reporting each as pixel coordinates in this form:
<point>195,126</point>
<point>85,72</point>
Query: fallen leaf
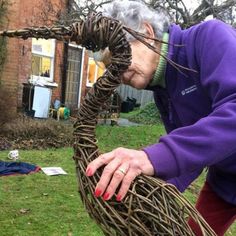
<point>24,211</point>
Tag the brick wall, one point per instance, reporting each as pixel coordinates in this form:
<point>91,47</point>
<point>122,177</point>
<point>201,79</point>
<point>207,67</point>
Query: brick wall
<point>10,69</point>
<point>17,69</point>
<point>58,70</point>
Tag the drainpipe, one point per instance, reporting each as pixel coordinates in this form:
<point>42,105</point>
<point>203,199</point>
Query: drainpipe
<point>64,73</point>
<point>65,63</point>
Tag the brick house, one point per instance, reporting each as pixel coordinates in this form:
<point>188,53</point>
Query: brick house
<point>67,65</point>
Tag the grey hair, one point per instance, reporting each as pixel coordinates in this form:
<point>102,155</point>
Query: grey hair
<point>134,13</point>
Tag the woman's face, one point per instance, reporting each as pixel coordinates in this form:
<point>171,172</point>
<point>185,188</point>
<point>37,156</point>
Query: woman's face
<point>142,68</point>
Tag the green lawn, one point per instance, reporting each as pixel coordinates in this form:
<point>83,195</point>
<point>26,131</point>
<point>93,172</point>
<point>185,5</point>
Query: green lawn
<point>41,205</point>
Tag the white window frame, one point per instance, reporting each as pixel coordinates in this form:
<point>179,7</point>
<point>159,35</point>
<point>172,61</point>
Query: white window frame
<point>47,55</point>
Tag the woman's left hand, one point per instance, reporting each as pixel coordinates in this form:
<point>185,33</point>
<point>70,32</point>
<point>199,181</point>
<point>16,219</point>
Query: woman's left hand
<point>122,167</point>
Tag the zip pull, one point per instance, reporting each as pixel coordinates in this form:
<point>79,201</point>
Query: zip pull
<point>170,111</point>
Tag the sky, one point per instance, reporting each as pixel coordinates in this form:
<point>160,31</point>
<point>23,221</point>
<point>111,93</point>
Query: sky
<point>191,4</point>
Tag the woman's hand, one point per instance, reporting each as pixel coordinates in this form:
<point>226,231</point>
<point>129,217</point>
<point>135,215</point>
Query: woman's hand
<point>122,167</point>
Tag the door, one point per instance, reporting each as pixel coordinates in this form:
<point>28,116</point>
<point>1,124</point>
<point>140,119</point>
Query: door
<point>73,81</point>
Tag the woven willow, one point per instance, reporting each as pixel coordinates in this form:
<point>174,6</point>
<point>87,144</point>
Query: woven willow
<point>151,207</point>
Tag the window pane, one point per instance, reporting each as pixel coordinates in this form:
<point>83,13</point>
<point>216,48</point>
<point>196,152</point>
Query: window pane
<point>101,69</point>
<point>40,66</point>
<point>43,46</point>
<point>95,70</point>
<point>91,71</point>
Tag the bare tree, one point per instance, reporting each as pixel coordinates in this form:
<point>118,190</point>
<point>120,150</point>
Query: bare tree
<point>78,10</point>
<point>180,12</point>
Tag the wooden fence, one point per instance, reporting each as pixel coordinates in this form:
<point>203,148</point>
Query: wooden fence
<point>142,96</point>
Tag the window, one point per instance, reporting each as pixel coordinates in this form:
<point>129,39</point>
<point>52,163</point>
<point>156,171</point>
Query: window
<point>95,70</point>
<point>42,64</point>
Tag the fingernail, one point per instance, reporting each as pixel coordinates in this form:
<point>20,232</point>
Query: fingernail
<point>118,198</point>
<point>106,196</point>
<point>98,192</point>
<point>88,172</point>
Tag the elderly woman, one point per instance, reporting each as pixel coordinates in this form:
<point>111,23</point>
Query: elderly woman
<point>198,108</point>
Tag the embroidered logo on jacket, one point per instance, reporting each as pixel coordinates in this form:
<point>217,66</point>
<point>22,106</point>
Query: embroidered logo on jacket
<point>189,90</point>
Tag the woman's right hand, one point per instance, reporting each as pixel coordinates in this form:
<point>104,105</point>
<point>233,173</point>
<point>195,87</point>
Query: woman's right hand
<point>122,167</point>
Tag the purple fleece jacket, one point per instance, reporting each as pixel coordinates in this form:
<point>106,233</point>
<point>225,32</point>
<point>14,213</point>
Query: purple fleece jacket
<point>199,109</point>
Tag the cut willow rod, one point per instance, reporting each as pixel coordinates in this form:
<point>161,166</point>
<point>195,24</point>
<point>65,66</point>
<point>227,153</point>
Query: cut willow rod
<point>168,210</point>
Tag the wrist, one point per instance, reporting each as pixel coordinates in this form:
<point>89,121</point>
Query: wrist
<point>146,167</point>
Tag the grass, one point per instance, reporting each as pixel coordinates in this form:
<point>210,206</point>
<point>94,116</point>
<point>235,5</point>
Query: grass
<point>130,114</point>
<point>41,205</point>
<point>130,137</point>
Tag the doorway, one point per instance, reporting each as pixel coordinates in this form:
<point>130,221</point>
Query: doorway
<point>74,78</point>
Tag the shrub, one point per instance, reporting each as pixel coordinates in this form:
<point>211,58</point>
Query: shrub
<point>28,133</point>
<point>149,114</point>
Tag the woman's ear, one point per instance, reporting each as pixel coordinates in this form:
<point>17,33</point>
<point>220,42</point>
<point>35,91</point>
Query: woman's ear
<point>149,30</point>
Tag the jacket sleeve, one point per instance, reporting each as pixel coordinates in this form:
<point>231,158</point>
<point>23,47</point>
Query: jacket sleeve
<point>213,138</point>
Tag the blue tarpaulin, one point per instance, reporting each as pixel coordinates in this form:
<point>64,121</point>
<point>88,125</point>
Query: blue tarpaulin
<point>13,168</point>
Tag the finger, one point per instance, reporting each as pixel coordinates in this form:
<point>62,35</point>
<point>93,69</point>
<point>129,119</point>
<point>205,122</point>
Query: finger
<point>117,178</point>
<point>127,180</point>
<point>98,162</point>
<point>106,176</point>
